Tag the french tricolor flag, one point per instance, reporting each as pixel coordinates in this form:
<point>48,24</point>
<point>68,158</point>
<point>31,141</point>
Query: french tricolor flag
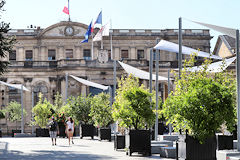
<point>66,8</point>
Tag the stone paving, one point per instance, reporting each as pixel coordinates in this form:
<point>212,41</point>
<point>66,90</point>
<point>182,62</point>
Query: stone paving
<point>40,148</point>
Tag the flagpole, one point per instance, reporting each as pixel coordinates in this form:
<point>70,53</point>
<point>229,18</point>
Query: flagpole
<point>238,89</point>
<point>180,47</point>
<point>69,12</point>
<point>102,37</point>
<point>92,46</point>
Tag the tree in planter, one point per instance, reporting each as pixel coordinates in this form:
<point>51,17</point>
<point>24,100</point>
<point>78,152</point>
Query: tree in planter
<point>13,112</point>
<point>201,103</point>
<point>42,112</point>
<point>101,113</point>
<point>132,110</point>
<point>132,106</point>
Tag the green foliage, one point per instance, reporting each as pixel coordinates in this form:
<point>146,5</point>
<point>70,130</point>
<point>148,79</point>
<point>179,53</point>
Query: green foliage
<point>132,105</point>
<point>201,102</point>
<point>5,41</point>
<point>81,107</point>
<point>58,103</point>
<point>13,111</point>
<point>42,112</point>
<point>101,111</point>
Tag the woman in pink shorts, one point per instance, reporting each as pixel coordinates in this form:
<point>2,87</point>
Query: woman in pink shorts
<point>70,129</point>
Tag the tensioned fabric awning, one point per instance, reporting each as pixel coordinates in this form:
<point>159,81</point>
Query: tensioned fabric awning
<point>140,73</point>
<point>17,86</point>
<point>228,31</point>
<point>214,67</point>
<point>89,83</point>
<point>173,47</point>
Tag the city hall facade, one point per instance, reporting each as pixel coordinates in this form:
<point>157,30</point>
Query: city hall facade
<point>42,57</point>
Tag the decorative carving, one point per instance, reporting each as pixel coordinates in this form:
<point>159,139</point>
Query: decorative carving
<point>52,79</point>
<point>3,79</point>
<point>27,80</point>
<point>103,56</point>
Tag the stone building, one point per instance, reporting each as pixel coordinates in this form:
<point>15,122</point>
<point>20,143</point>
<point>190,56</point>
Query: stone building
<point>42,57</point>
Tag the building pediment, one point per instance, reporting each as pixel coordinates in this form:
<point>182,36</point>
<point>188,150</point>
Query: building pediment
<point>63,29</point>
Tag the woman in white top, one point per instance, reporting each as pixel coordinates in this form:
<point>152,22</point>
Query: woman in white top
<point>70,129</point>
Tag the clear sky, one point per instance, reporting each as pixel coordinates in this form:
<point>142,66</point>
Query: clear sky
<point>125,14</point>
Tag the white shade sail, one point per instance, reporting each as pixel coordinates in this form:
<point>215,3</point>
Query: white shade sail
<point>89,83</point>
<point>17,86</point>
<point>173,47</point>
<point>214,67</point>
<point>140,73</point>
<point>228,31</point>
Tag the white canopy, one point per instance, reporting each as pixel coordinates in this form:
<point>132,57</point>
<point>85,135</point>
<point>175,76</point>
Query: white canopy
<point>140,73</point>
<point>17,86</point>
<point>214,67</point>
<point>89,83</point>
<point>173,47</point>
<point>228,31</point>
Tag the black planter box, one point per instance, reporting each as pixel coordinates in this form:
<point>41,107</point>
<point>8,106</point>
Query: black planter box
<point>87,130</point>
<point>15,131</point>
<point>119,142</point>
<point>138,141</point>
<point>104,134</point>
<point>62,129</point>
<point>190,148</point>
<point>224,142</point>
<point>0,133</point>
<point>42,132</point>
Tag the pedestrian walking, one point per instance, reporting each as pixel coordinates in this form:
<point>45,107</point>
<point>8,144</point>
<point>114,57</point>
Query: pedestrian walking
<point>70,129</point>
<point>53,130</point>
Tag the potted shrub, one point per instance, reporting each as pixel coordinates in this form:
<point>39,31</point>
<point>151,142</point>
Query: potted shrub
<point>132,111</point>
<point>200,104</point>
<point>42,112</point>
<point>13,113</point>
<point>81,109</point>
<point>101,113</point>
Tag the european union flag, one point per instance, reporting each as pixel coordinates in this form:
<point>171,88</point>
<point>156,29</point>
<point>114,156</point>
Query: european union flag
<point>88,33</point>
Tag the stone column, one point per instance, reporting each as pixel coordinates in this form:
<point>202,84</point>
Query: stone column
<point>20,54</point>
<point>95,53</point>
<point>28,100</point>
<point>133,54</point>
<point>147,54</point>
<point>83,90</point>
<point>63,87</point>
<point>36,53</point>
<point>43,53</point>
<point>60,54</point>
<point>77,52</point>
<point>116,53</point>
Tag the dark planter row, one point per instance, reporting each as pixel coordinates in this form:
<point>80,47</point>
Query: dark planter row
<point>189,148</point>
<point>87,130</point>
<point>42,132</point>
<point>15,131</point>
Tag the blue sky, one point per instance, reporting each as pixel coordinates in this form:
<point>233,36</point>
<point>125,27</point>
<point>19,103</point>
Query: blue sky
<point>125,14</point>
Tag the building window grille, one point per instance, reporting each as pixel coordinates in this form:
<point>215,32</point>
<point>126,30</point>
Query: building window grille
<point>124,54</point>
<point>12,55</point>
<point>87,54</point>
<point>69,53</point>
<point>28,55</point>
<point>51,54</point>
<point>140,54</point>
<point>109,54</point>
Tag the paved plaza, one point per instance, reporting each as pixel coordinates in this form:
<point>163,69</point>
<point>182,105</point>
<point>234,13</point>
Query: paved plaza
<point>40,148</point>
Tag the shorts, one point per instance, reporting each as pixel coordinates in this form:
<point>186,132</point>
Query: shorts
<point>71,132</point>
<point>53,134</point>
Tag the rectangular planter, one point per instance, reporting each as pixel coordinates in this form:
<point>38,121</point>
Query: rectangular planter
<point>224,142</point>
<point>62,128</point>
<point>42,132</point>
<point>190,148</point>
<point>15,131</point>
<point>104,134</point>
<point>87,130</point>
<point>138,141</point>
<point>119,142</point>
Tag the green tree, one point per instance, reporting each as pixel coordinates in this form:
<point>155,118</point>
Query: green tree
<point>202,102</point>
<point>42,112</point>
<point>81,107</point>
<point>5,41</point>
<point>101,111</point>
<point>14,112</point>
<point>132,106</point>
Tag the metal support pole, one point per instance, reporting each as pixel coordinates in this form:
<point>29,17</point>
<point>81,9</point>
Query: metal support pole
<point>169,91</point>
<point>150,71</point>
<point>114,78</point>
<point>66,87</point>
<point>32,108</point>
<point>22,120</point>
<point>156,83</point>
<point>92,48</point>
<point>238,89</point>
<point>180,47</point>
